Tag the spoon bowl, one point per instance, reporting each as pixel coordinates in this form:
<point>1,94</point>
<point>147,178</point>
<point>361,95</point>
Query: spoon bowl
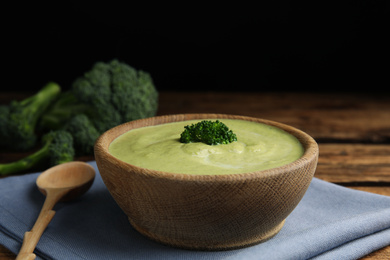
<point>77,177</point>
<point>63,182</point>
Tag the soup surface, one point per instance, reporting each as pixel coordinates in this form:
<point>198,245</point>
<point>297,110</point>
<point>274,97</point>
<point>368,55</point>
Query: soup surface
<point>258,147</point>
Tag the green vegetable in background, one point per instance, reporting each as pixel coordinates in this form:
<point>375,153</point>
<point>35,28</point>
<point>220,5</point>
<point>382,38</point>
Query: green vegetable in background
<point>57,147</point>
<point>109,94</point>
<point>84,133</point>
<point>18,120</point>
<point>105,96</point>
<point>208,132</point>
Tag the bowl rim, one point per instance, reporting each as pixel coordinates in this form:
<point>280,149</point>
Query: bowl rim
<point>310,145</point>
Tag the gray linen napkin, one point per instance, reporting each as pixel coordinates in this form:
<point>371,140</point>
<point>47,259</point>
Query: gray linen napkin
<point>331,222</point>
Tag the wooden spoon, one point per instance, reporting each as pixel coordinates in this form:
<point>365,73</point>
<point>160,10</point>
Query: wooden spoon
<point>63,182</point>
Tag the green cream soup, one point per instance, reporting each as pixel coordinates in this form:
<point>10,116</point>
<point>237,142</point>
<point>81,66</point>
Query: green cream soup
<point>258,147</point>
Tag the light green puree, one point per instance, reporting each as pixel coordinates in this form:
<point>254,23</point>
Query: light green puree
<point>258,147</point>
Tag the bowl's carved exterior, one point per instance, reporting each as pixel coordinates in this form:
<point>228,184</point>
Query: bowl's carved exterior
<point>206,212</point>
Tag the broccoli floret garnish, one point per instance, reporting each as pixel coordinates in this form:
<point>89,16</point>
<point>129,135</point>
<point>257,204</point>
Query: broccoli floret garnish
<point>109,94</point>
<point>18,120</point>
<point>208,132</point>
<point>57,148</point>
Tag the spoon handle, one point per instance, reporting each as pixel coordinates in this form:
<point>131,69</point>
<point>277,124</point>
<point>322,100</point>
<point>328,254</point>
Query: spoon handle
<point>31,238</point>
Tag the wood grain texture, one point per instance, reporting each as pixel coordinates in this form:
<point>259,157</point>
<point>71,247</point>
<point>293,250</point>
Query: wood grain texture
<point>325,116</point>
<point>345,163</point>
<point>381,254</point>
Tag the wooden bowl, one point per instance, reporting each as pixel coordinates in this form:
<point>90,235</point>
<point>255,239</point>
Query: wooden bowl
<point>206,212</point>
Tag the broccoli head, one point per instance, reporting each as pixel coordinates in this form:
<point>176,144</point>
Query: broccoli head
<point>57,147</point>
<point>18,120</point>
<point>84,134</point>
<point>60,147</point>
<point>208,132</point>
<point>108,94</point>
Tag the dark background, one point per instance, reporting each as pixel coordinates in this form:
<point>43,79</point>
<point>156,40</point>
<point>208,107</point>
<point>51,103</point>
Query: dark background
<point>281,46</point>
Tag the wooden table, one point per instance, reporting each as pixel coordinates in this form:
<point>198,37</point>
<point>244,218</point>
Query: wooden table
<point>352,129</point>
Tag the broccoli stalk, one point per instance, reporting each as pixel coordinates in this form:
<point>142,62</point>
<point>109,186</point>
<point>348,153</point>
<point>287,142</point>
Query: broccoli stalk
<point>208,132</point>
<point>18,120</point>
<point>57,148</point>
<point>64,108</point>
